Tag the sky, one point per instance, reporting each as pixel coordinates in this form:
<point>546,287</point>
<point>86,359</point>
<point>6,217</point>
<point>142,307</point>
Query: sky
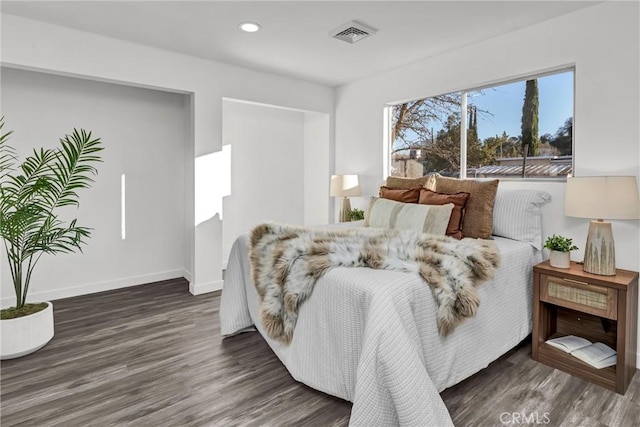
<point>555,93</point>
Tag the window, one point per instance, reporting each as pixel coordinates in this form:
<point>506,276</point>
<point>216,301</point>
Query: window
<point>521,129</point>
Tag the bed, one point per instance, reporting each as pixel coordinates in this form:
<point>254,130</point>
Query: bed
<point>370,336</point>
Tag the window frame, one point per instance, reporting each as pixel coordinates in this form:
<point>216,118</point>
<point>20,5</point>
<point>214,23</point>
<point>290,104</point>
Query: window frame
<point>388,124</point>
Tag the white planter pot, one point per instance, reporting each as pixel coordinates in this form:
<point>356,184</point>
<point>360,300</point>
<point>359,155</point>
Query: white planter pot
<point>560,259</point>
<point>27,334</point>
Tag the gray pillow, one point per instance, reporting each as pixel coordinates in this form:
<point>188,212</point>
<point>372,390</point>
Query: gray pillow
<point>517,215</point>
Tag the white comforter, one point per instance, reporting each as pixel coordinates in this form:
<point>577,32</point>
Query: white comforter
<point>370,336</point>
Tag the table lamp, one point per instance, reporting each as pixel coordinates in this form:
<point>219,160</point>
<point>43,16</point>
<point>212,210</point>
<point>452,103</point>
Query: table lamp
<point>344,186</point>
<point>603,198</point>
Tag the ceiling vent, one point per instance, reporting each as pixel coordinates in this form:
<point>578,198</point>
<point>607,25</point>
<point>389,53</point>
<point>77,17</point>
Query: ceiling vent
<point>352,32</point>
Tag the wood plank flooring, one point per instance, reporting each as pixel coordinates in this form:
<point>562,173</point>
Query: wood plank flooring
<point>152,355</point>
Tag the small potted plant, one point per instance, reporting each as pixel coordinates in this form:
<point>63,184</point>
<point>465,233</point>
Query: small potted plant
<point>356,214</point>
<point>560,248</point>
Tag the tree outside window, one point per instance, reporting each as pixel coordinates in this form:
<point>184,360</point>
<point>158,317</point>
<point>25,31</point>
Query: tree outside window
<point>518,129</point>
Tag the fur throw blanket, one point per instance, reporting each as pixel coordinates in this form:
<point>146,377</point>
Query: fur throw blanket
<point>287,261</point>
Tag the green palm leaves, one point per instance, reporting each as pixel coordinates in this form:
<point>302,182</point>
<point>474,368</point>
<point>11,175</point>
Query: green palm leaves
<point>7,154</point>
<point>31,193</point>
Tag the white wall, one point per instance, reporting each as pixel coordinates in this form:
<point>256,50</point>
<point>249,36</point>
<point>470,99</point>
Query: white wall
<point>602,42</point>
<point>279,167</point>
<point>317,168</point>
<point>144,133</point>
<point>53,49</point>
<point>188,251</point>
<point>267,168</point>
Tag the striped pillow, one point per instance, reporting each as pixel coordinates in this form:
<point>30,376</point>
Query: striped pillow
<point>517,215</point>
<point>383,213</point>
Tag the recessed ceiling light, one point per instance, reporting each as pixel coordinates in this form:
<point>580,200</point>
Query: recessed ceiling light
<point>249,27</point>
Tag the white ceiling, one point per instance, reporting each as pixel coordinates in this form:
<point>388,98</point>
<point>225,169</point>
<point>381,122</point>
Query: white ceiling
<point>295,39</point>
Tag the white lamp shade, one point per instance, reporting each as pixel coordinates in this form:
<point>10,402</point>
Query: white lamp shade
<point>602,197</point>
<point>344,186</point>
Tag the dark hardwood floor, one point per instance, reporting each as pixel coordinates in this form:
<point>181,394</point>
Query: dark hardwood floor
<point>152,355</point>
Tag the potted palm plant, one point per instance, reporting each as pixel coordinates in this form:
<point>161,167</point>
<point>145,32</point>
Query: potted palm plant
<point>560,248</point>
<point>30,195</point>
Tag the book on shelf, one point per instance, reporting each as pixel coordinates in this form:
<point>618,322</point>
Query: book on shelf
<point>598,355</point>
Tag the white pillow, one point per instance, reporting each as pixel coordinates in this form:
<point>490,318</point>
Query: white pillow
<point>384,213</point>
<point>517,215</point>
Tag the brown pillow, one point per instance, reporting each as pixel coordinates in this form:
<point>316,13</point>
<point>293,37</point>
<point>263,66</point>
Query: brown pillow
<point>459,200</point>
<point>398,183</point>
<point>478,216</point>
<point>405,196</point>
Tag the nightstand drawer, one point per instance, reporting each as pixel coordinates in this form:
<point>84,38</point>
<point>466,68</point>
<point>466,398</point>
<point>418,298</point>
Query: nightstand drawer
<point>578,295</point>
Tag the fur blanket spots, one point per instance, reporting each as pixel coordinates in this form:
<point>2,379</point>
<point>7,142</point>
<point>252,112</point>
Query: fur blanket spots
<point>287,261</point>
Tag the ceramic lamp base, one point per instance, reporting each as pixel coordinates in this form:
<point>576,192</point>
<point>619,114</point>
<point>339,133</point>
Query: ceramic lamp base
<point>600,252</point>
<point>345,208</point>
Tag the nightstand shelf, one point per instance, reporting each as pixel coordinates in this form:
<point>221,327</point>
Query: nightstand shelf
<point>597,308</point>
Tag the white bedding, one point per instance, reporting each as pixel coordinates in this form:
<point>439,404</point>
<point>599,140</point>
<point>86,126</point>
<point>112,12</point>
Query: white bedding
<point>370,336</point>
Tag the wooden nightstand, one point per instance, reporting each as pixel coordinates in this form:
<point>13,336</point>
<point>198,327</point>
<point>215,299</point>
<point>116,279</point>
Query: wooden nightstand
<point>598,308</point>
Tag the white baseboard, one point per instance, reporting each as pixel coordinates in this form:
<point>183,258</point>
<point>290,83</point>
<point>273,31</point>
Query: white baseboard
<point>187,275</point>
<point>91,288</point>
<point>203,288</point>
